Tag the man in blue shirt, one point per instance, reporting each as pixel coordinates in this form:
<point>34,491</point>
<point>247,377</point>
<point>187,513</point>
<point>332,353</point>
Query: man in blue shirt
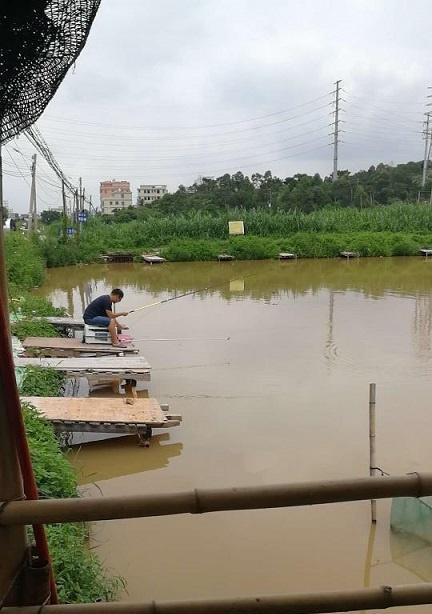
<point>100,313</point>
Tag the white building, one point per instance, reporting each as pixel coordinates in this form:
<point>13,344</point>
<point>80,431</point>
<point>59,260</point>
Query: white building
<point>147,194</point>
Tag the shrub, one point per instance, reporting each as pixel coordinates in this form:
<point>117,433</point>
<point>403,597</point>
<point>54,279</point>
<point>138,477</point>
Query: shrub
<point>41,382</point>
<point>24,261</point>
<point>32,328</point>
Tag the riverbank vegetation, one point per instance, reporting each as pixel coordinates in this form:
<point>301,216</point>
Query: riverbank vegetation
<point>398,230</point>
<point>80,575</point>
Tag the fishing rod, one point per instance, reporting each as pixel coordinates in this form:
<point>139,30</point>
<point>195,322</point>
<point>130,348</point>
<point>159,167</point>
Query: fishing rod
<point>173,298</point>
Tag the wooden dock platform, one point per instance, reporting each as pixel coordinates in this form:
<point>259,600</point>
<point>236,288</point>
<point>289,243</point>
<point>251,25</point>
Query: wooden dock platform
<point>70,347</point>
<point>349,255</point>
<point>117,257</point>
<point>225,257</point>
<point>426,252</point>
<point>153,259</point>
<point>100,371</point>
<point>112,416</point>
<point>287,256</point>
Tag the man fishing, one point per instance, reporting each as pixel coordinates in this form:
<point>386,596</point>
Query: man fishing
<point>100,313</point>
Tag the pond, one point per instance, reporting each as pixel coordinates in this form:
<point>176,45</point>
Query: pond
<point>270,368</point>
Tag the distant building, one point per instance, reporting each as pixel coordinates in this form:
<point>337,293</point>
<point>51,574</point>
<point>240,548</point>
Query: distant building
<point>115,195</point>
<point>147,194</point>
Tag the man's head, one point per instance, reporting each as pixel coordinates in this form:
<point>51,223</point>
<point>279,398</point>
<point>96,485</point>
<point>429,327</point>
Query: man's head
<point>116,295</point>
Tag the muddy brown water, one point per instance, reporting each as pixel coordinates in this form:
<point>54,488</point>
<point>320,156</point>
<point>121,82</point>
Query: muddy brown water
<point>285,399</point>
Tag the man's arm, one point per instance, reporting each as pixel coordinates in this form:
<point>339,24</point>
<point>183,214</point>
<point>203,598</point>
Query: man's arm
<point>112,315</point>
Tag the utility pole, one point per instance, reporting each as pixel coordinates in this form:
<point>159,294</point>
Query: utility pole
<point>336,131</point>
<point>32,225</point>
<point>427,136</point>
<point>77,208</point>
<point>64,211</point>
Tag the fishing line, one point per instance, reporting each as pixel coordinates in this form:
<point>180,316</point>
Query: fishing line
<point>186,339</point>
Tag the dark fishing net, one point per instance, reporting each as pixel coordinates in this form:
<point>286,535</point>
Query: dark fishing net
<point>39,41</point>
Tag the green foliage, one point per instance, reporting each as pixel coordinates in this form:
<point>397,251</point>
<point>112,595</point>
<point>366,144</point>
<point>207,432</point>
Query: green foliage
<point>30,305</point>
<point>50,216</point>
<point>188,250</point>
<point>305,245</point>
<point>80,575</point>
<point>24,261</point>
<point>41,382</point>
<point>188,235</point>
<point>32,328</point>
<point>55,476</point>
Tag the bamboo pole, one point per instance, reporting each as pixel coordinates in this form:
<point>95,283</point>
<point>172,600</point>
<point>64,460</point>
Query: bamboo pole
<point>300,603</point>
<point>372,450</point>
<point>214,500</point>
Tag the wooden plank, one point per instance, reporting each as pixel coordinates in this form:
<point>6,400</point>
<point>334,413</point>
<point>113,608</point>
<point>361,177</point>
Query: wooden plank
<point>126,364</point>
<point>67,344</point>
<point>100,411</point>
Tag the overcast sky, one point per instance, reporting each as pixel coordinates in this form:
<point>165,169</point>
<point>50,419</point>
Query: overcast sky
<point>166,91</point>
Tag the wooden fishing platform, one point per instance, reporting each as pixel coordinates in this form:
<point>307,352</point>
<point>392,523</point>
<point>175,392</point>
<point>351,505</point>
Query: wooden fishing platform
<point>117,257</point>
<point>71,347</point>
<point>349,255</point>
<point>112,416</point>
<point>153,259</point>
<point>100,371</point>
<point>426,252</point>
<point>225,257</point>
<point>287,256</point>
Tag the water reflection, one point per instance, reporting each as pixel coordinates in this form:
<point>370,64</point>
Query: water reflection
<point>112,458</point>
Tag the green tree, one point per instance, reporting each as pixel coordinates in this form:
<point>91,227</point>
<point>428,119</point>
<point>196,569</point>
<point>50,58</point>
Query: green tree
<point>49,216</point>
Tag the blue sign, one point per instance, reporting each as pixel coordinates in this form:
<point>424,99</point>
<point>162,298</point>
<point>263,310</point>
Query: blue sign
<point>82,216</point>
<point>70,231</point>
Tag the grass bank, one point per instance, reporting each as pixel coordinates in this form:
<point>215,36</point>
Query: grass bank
<point>399,229</point>
<point>305,245</point>
<point>79,573</point>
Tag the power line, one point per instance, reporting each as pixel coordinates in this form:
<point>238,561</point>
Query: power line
<point>205,126</point>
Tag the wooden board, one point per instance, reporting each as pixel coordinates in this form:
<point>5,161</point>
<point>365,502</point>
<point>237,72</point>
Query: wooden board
<point>105,410</point>
<point>103,364</point>
<point>54,346</point>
